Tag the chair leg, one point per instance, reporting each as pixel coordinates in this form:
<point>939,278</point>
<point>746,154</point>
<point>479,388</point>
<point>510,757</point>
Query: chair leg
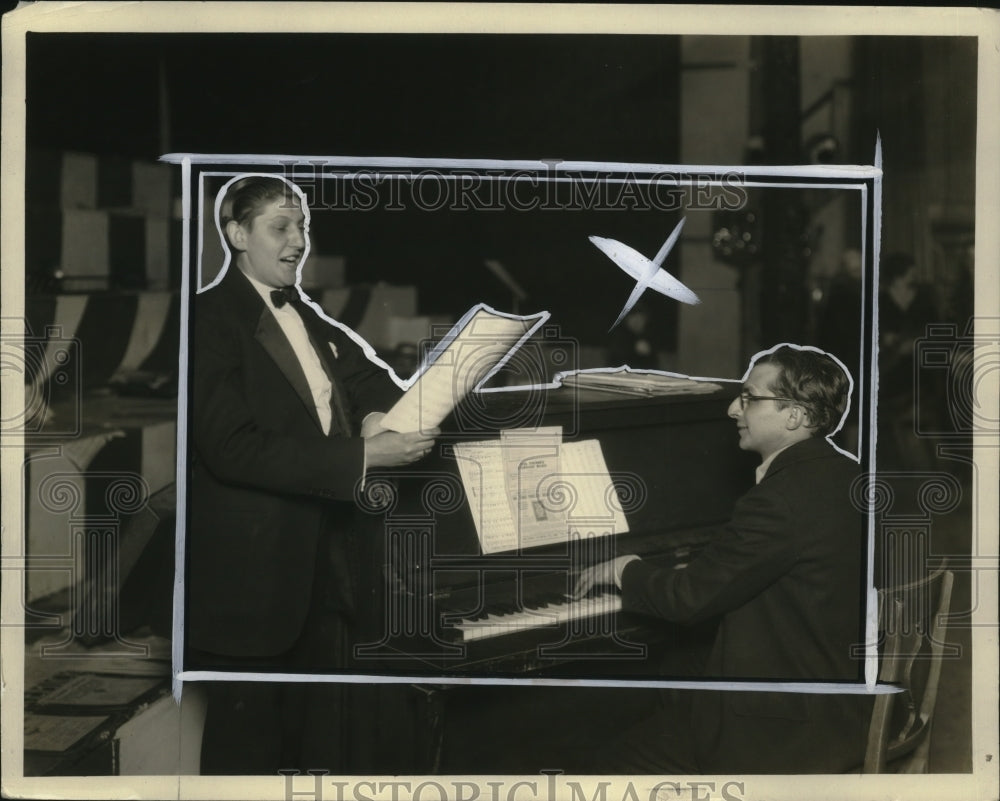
<point>919,760</point>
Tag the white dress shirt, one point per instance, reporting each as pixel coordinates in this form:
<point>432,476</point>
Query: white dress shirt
<point>295,332</point>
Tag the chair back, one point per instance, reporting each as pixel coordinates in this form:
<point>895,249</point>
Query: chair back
<point>912,625</point>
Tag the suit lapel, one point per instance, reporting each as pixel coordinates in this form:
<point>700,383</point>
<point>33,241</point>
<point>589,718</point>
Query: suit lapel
<point>268,333</point>
<point>273,340</point>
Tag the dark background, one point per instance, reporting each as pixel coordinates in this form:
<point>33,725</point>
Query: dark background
<point>570,97</point>
<point>600,98</point>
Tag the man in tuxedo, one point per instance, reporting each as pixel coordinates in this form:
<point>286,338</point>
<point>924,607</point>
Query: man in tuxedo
<point>284,422</point>
<point>785,581</point>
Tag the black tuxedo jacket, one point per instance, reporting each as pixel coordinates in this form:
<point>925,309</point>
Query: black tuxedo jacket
<point>787,577</point>
<point>270,496</point>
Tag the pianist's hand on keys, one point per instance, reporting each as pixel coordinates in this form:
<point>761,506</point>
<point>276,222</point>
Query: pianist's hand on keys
<point>603,574</point>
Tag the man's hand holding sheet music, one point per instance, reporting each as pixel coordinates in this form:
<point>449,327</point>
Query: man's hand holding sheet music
<point>385,448</point>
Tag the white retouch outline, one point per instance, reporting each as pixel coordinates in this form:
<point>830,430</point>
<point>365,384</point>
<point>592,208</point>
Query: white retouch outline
<point>644,271</point>
<point>396,162</point>
<point>869,686</point>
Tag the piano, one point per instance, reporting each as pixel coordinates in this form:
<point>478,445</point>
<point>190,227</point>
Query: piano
<point>445,608</point>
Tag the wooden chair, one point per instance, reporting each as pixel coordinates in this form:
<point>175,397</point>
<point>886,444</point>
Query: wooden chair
<point>912,619</point>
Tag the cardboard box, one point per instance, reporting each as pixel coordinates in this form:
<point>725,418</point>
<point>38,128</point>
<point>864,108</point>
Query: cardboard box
<point>412,330</point>
<point>84,251</point>
<point>158,253</point>
<point>61,180</point>
<point>151,188</point>
<point>368,308</point>
<point>323,272</point>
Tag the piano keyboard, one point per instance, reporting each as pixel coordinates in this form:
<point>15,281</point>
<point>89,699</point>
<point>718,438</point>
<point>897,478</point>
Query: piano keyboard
<point>489,625</point>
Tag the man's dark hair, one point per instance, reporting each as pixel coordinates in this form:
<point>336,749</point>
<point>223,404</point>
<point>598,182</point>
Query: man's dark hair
<point>813,380</point>
<point>247,196</point>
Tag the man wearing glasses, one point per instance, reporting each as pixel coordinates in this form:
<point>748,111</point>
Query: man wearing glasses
<point>784,579</point>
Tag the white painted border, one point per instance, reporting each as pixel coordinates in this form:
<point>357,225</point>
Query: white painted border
<point>508,166</point>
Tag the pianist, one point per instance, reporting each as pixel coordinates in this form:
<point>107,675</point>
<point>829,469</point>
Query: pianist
<point>784,579</point>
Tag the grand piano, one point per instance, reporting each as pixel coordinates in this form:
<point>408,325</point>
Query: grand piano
<point>442,607</point>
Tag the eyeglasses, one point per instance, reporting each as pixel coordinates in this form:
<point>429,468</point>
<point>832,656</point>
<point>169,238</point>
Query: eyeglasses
<point>745,398</point>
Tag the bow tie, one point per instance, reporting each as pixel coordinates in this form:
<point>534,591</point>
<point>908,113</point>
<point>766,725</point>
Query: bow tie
<point>287,294</point>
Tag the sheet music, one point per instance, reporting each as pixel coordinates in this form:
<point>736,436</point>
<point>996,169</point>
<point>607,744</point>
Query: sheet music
<point>480,465</point>
<point>468,359</point>
<point>639,383</point>
<point>530,456</point>
<point>556,496</point>
<point>597,511</point>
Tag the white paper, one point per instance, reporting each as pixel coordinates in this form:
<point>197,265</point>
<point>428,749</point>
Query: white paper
<point>578,499</point>
<point>530,456</point>
<point>597,511</point>
<point>469,358</point>
<point>480,464</point>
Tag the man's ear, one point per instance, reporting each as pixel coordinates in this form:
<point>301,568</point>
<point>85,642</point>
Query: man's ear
<point>798,418</point>
<point>237,235</point>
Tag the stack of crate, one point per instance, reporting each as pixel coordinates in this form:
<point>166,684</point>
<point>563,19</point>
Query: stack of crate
<point>98,222</point>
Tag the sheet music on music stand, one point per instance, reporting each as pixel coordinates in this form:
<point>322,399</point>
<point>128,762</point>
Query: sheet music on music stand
<point>529,489</point>
<point>637,383</point>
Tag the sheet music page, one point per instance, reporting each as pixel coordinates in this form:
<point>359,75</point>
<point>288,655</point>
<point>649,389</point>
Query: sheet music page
<point>571,487</point>
<point>641,383</point>
<point>530,456</point>
<point>468,359</point>
<point>480,465</point>
<point>597,511</point>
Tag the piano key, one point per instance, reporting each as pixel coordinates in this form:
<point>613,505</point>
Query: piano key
<point>500,624</point>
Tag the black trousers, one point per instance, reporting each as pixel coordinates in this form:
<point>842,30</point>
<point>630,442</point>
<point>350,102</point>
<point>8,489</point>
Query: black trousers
<point>259,728</point>
<point>663,741</point>
<point>658,744</point>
